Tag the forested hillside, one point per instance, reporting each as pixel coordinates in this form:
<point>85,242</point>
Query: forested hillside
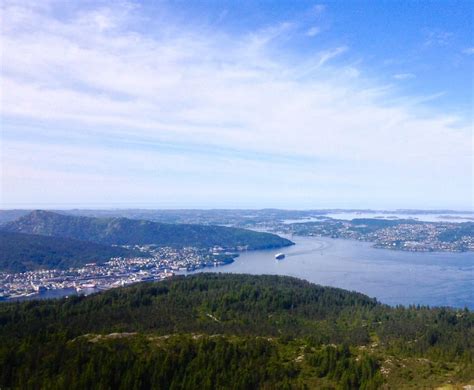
<point>231,331</point>
<point>123,231</point>
<point>25,252</point>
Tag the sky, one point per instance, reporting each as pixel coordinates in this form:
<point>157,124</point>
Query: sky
<point>237,104</point>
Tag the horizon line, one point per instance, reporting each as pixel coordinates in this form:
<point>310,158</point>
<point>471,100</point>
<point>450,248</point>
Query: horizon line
<point>58,207</point>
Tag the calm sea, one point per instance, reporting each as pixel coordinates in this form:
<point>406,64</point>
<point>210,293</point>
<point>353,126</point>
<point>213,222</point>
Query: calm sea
<point>393,277</point>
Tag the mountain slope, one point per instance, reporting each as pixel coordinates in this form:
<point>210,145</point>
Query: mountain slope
<point>231,331</point>
<point>123,231</point>
<point>21,252</point>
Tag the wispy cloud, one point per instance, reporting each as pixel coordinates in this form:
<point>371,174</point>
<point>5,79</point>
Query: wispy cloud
<point>436,37</point>
<point>468,51</point>
<point>81,83</point>
<point>404,76</point>
<point>330,54</point>
<point>313,31</point>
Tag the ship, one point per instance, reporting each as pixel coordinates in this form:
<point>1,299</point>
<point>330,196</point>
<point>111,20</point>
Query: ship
<point>280,256</point>
<point>85,286</point>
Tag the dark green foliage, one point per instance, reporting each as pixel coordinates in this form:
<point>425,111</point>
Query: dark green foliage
<point>339,364</point>
<point>439,333</point>
<point>241,304</point>
<point>123,231</point>
<point>220,331</point>
<point>23,252</point>
<point>137,362</point>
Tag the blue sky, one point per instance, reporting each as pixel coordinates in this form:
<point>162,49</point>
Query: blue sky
<point>237,104</point>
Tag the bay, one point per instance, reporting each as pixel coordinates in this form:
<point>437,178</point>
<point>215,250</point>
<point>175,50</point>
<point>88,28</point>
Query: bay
<point>393,277</point>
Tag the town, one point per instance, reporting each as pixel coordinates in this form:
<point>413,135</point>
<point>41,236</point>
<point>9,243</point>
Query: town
<point>405,235</point>
<point>157,263</point>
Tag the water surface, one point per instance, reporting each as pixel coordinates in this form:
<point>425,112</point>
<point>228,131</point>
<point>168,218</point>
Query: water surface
<point>393,277</point>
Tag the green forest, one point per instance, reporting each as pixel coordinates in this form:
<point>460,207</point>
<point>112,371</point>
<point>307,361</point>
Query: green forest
<point>21,252</point>
<point>232,332</point>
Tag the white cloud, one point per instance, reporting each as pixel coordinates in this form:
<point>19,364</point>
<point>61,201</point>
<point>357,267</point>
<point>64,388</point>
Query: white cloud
<point>330,54</point>
<point>468,51</point>
<point>404,76</point>
<point>94,77</point>
<point>313,31</point>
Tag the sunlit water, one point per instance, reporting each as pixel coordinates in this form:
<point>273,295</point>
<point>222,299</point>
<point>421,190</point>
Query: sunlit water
<point>393,277</point>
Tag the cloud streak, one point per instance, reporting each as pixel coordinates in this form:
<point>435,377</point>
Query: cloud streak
<point>404,76</point>
<point>94,76</point>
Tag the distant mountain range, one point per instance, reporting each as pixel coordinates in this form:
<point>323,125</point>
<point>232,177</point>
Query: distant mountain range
<point>124,231</point>
<point>21,252</point>
<point>232,217</point>
<point>45,239</point>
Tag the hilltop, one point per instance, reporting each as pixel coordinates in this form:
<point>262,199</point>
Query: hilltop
<point>232,331</point>
<point>124,231</point>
